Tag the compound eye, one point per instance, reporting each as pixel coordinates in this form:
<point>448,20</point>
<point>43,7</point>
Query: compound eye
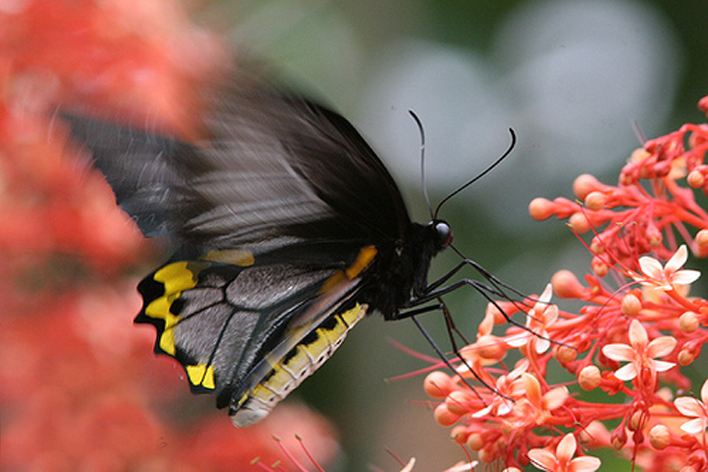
<point>444,233</point>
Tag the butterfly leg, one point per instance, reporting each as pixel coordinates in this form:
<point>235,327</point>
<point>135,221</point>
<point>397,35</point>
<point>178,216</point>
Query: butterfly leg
<point>456,351</point>
<point>487,292</point>
<point>445,360</point>
<point>497,283</point>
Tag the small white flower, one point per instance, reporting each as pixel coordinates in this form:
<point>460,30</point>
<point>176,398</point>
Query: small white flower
<point>542,315</point>
<point>665,277</point>
<point>640,352</point>
<point>694,408</point>
<point>563,459</point>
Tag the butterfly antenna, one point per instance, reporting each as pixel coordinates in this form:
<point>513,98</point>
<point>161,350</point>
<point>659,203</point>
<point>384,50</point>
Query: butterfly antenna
<point>421,130</point>
<point>480,175</point>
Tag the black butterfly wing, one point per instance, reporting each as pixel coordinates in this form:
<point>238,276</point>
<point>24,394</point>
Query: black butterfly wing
<point>248,333</point>
<point>139,166</point>
<point>278,212</point>
<point>273,167</point>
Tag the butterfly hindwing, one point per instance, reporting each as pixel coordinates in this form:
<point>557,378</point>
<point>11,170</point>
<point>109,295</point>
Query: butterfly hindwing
<point>248,332</point>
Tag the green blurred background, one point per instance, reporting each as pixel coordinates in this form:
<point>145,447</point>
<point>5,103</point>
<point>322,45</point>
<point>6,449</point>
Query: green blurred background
<point>571,78</point>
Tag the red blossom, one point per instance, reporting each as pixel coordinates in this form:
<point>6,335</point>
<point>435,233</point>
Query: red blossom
<point>81,388</point>
<point>561,460</point>
<point>643,229</point>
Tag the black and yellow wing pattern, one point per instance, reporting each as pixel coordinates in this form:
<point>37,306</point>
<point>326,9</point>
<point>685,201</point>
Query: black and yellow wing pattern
<point>288,230</point>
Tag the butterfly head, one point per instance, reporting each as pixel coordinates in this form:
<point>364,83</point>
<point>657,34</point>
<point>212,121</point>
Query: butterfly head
<point>442,233</point>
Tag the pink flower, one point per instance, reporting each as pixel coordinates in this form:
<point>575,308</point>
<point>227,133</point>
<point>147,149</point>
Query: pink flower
<point>665,277</point>
<point>539,318</point>
<point>562,460</point>
<point>507,389</point>
<point>640,353</point>
<point>694,408</point>
<point>534,408</point>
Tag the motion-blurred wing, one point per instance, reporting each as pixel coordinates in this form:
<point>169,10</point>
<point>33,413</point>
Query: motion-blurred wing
<point>272,168</point>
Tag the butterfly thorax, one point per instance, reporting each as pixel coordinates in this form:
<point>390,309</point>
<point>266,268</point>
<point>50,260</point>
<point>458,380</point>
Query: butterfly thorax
<point>400,273</point>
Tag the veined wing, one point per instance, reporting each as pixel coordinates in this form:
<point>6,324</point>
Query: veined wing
<point>270,167</point>
<point>250,333</point>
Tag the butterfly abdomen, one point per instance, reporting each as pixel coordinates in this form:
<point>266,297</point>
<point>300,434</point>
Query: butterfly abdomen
<point>299,363</point>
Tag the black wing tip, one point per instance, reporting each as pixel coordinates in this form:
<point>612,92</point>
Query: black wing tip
<point>159,328</point>
<point>151,290</point>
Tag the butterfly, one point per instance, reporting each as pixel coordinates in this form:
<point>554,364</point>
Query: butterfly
<point>288,230</point>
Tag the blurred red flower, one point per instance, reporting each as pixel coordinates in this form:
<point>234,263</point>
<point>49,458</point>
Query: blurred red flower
<point>81,389</point>
<point>643,317</point>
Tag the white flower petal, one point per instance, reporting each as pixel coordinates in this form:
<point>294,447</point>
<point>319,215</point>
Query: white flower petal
<point>543,459</point>
<point>545,297</point>
<point>663,366</point>
<point>637,334</point>
<point>677,260</point>
<point>550,315</point>
<point>518,340</point>
<point>463,467</point>
<point>409,466</point>
<point>694,426</point>
<point>504,408</point>
<point>704,392</point>
<point>651,267</point>
<point>689,406</point>
<point>661,346</point>
<point>618,352</point>
<point>628,372</point>
<point>566,448</point>
<point>521,367</point>
<point>685,277</point>
<point>555,398</point>
<point>542,345</point>
<point>585,464</point>
<point>482,412</point>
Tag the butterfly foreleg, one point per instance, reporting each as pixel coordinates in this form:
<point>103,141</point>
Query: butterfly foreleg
<point>495,282</point>
<point>488,292</point>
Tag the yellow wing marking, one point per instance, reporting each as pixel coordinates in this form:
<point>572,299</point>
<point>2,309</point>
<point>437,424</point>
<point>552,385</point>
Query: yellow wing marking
<point>176,278</point>
<point>366,255</point>
<point>239,257</point>
<point>363,260</point>
<point>201,375</point>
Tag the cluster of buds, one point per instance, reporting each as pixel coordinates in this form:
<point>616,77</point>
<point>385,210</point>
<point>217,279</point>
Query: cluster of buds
<point>629,344</point>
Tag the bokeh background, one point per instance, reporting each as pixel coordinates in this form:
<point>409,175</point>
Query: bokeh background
<point>576,80</point>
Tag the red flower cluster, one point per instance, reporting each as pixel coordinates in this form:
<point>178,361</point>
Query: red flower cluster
<point>631,339</point>
<point>80,387</point>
